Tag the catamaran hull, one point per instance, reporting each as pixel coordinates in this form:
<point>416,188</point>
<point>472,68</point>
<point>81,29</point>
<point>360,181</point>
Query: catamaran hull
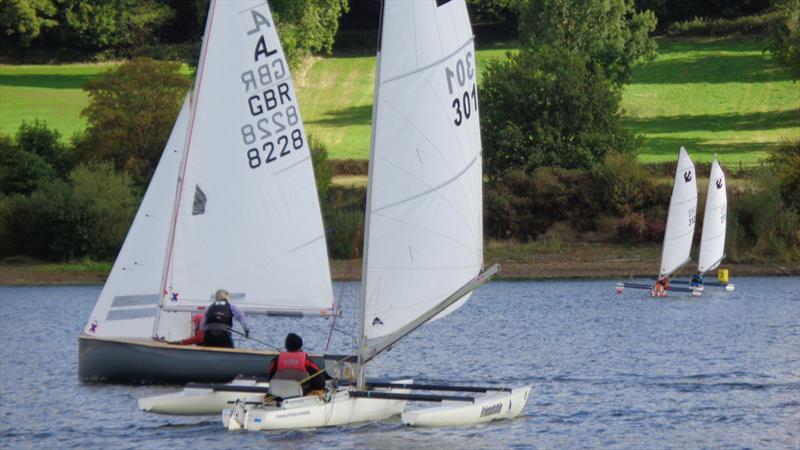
<point>312,412</point>
<point>142,361</point>
<point>200,401</point>
<point>488,407</point>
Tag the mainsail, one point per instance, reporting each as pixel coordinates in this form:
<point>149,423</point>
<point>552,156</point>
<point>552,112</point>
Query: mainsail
<point>424,237</point>
<point>712,244</point>
<point>681,217</point>
<point>247,216</point>
<point>127,306</point>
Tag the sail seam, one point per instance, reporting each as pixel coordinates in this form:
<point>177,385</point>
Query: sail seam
<point>428,66</point>
<point>430,190</point>
<point>463,244</point>
<point>679,236</point>
<point>686,201</point>
<point>293,165</point>
<point>306,244</point>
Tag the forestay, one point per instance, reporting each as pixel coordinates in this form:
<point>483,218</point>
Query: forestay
<point>127,306</point>
<point>247,215</point>
<point>681,217</point>
<point>712,245</point>
<point>424,201</point>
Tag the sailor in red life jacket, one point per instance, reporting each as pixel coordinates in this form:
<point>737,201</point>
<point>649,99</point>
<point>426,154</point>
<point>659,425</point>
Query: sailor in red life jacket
<point>197,332</point>
<point>294,364</point>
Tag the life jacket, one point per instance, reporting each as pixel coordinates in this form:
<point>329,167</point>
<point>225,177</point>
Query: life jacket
<point>291,366</point>
<point>219,318</point>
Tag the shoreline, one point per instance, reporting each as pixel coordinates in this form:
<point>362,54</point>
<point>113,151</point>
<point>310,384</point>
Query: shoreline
<point>539,267</point>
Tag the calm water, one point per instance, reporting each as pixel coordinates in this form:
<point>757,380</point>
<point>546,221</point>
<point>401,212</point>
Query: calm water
<point>608,371</point>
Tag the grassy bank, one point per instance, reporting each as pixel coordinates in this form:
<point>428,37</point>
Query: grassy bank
<point>720,96</point>
<point>533,260</point>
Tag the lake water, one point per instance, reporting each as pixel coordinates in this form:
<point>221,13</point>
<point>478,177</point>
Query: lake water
<point>610,371</point>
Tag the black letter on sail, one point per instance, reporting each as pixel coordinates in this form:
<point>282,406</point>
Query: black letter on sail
<point>261,49</point>
<point>687,176</point>
<point>258,20</point>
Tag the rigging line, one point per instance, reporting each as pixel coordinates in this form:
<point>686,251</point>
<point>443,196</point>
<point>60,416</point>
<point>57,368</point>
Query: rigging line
<point>353,255</point>
<point>187,147</point>
<point>428,66</point>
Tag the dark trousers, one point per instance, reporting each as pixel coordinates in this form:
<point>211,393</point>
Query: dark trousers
<point>218,340</point>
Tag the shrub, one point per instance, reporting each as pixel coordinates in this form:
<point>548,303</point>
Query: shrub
<point>63,221</point>
<point>322,170</point>
<point>21,172</point>
<point>702,26</point>
<point>343,232</point>
<point>621,183</point>
<point>785,162</point>
<point>546,108</point>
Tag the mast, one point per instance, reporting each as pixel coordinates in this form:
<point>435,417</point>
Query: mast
<point>362,297</point>
<point>182,170</point>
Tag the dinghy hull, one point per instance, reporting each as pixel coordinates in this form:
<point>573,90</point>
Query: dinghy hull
<point>147,361</point>
<point>201,401</point>
<point>491,406</point>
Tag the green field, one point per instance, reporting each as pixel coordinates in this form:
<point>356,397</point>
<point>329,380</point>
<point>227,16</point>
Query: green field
<point>711,96</point>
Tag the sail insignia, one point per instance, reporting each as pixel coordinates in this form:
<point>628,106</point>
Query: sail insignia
<point>199,204</point>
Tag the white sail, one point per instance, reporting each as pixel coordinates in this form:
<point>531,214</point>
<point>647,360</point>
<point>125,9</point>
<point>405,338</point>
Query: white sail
<point>681,217</point>
<point>247,215</point>
<point>712,243</point>
<point>127,305</point>
<point>424,201</point>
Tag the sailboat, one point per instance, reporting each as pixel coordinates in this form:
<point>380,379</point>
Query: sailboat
<point>679,232</point>
<point>232,204</point>
<point>423,244</point>
<point>712,242</point>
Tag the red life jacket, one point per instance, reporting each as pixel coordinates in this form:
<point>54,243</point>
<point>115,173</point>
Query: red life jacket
<point>291,366</point>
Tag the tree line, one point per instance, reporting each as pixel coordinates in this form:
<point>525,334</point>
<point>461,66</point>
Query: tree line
<point>555,152</point>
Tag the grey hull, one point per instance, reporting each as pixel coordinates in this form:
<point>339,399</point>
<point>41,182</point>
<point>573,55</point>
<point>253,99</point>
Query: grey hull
<point>144,361</point>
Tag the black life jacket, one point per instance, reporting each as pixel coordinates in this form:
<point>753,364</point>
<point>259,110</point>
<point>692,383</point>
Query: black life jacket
<point>219,318</point>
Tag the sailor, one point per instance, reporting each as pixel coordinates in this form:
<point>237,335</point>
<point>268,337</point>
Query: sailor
<point>294,364</point>
<point>661,285</point>
<point>218,321</point>
<point>696,280</point>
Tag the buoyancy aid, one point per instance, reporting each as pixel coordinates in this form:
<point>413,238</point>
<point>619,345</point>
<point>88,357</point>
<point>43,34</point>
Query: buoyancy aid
<point>219,318</point>
<point>291,366</point>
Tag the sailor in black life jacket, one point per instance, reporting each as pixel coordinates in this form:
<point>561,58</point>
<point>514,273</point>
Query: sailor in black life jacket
<point>218,320</point>
<point>294,364</point>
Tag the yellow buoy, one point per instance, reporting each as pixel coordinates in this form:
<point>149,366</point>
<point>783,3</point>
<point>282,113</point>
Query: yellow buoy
<point>722,276</point>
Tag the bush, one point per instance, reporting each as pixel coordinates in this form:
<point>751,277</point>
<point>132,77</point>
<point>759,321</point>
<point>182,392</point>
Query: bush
<point>21,172</point>
<point>322,170</point>
<point>701,26</point>
<point>622,181</point>
<point>784,36</point>
<point>785,162</point>
<point>63,221</point>
<point>343,232</point>
<point>546,108</point>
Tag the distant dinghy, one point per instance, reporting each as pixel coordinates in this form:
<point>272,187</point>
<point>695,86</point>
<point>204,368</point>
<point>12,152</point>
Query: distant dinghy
<point>679,232</point>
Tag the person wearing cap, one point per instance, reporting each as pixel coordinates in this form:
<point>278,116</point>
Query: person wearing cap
<point>218,321</point>
<point>294,364</point>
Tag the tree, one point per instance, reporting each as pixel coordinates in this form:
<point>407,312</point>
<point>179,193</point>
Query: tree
<point>102,24</point>
<point>545,107</point>
<point>25,20</point>
<point>304,26</point>
<point>610,34</point>
<point>131,112</point>
<point>35,154</point>
<point>784,39</point>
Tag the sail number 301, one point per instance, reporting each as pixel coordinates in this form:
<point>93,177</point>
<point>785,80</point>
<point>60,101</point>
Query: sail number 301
<point>459,78</point>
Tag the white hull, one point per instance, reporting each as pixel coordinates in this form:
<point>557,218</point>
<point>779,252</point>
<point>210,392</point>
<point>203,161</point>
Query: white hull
<point>312,412</point>
<point>490,406</point>
<point>200,401</point>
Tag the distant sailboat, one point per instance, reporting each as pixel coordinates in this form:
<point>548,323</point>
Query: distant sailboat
<point>712,243</point>
<point>232,204</point>
<point>679,232</point>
